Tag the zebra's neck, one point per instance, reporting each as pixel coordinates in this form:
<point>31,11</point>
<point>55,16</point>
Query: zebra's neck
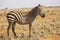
<point>32,15</point>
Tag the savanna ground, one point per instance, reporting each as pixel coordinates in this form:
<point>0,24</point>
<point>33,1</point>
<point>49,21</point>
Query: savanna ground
<point>47,28</point>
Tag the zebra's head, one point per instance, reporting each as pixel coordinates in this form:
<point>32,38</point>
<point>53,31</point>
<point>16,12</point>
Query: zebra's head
<point>40,11</point>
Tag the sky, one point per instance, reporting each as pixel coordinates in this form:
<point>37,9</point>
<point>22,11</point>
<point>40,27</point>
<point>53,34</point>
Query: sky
<point>27,3</point>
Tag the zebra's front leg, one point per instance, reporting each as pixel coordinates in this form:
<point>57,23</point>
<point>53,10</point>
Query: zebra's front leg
<point>30,30</point>
<point>13,28</point>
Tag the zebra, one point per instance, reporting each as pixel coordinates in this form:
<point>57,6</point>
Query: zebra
<point>16,17</point>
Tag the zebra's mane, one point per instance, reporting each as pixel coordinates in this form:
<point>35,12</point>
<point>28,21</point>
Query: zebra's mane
<point>34,9</point>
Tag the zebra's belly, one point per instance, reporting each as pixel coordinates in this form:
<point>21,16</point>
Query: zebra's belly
<point>23,21</point>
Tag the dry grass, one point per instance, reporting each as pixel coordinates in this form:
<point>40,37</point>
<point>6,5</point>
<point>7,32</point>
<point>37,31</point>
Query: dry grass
<point>53,37</point>
<point>41,27</point>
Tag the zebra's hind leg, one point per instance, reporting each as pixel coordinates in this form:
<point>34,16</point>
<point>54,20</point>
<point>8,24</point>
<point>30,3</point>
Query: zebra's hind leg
<point>13,28</point>
<point>9,25</point>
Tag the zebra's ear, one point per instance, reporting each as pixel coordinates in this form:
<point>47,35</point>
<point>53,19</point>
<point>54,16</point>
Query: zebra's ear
<point>39,5</point>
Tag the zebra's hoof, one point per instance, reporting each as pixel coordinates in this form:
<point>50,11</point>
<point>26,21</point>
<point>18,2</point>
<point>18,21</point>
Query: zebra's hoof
<point>30,36</point>
<point>15,36</point>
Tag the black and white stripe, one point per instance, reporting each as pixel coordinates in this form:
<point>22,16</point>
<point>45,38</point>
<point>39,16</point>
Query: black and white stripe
<point>14,16</point>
